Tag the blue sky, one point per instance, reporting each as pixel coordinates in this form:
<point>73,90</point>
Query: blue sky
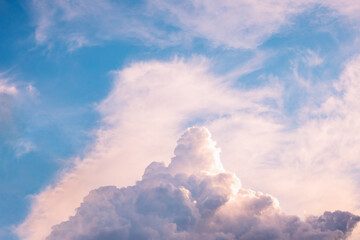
<point>79,79</point>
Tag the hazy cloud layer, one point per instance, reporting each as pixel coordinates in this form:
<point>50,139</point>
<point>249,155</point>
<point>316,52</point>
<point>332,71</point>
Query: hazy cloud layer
<point>193,198</point>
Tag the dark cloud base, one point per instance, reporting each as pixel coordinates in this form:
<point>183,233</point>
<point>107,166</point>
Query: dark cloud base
<point>193,198</point>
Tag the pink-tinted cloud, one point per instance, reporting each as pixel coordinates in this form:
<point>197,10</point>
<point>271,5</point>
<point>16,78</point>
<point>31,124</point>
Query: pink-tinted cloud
<point>152,102</point>
<point>193,198</point>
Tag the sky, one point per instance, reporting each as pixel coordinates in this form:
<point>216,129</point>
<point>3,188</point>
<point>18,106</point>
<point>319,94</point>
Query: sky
<point>92,92</point>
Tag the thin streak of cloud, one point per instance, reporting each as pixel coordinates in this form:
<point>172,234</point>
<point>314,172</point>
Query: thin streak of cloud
<point>23,146</point>
<point>250,66</point>
<point>312,59</point>
<point>15,96</point>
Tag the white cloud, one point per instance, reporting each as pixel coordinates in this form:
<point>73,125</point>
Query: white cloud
<point>312,58</point>
<point>80,23</point>
<point>152,102</point>
<point>11,88</point>
<point>347,8</point>
<point>23,146</point>
<point>6,87</point>
<point>235,24</point>
<point>142,116</point>
<point>8,92</point>
<point>14,96</point>
<point>193,198</point>
<point>238,24</point>
<point>243,24</point>
<point>318,159</point>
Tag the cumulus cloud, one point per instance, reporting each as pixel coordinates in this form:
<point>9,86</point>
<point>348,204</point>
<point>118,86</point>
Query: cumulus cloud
<point>151,103</point>
<point>193,198</point>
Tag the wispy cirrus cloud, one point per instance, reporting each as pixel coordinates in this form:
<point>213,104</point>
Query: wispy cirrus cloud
<point>13,94</point>
<point>7,92</point>
<point>312,59</point>
<point>78,23</point>
<point>23,146</point>
<point>241,24</point>
<point>6,88</point>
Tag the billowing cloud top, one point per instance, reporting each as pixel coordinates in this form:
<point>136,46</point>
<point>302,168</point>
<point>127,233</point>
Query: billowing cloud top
<point>193,198</point>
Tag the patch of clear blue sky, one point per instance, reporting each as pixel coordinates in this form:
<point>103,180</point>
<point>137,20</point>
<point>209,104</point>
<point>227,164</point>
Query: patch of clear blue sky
<point>61,117</point>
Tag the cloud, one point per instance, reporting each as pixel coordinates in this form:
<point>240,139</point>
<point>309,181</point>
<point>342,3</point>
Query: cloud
<point>8,93</point>
<point>312,59</point>
<point>193,198</point>
<point>23,146</point>
<point>78,23</point>
<point>240,24</point>
<point>151,103</point>
<point>349,8</point>
<point>151,21</point>
<point>236,24</point>
<point>6,88</point>
<point>321,152</point>
<point>15,97</point>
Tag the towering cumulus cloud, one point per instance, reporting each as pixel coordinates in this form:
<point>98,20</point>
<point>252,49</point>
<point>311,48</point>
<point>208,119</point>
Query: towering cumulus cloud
<point>193,198</point>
